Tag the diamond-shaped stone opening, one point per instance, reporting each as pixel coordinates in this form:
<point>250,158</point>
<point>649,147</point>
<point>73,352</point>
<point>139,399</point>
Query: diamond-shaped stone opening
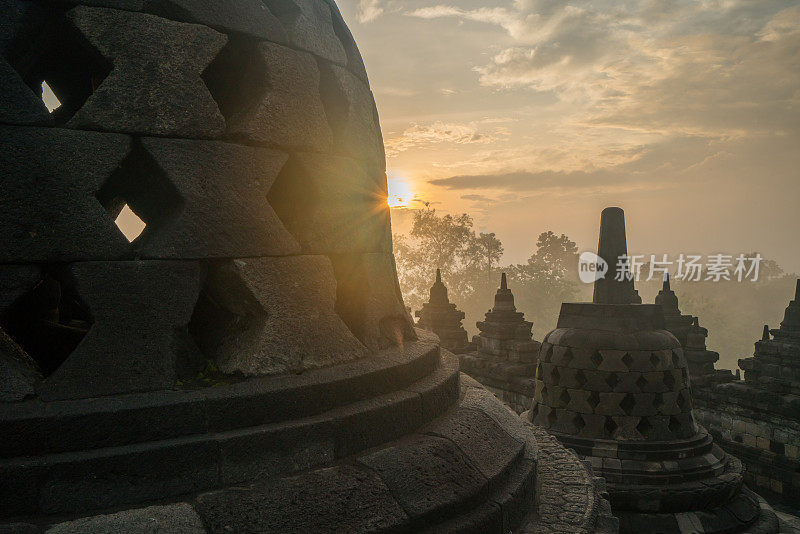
<point>644,428</point>
<point>654,360</point>
<point>139,196</point>
<point>564,397</point>
<point>555,376</point>
<point>285,11</point>
<point>609,428</point>
<point>579,423</point>
<point>674,425</point>
<point>669,380</point>
<point>641,383</point>
<point>627,360</point>
<point>593,399</point>
<point>226,312</point>
<point>627,403</point>
<point>597,358</point>
<point>658,400</point>
<point>235,78</point>
<point>48,322</point>
<point>552,418</point>
<point>63,69</point>
<point>51,101</point>
<point>580,377</point>
<point>129,223</point>
<point>612,380</point>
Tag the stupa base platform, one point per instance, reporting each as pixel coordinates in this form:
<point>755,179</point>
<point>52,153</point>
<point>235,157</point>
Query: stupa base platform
<point>399,442</point>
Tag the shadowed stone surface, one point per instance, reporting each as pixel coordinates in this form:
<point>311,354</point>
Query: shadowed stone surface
<point>18,104</point>
<point>139,338</point>
<point>174,518</point>
<point>152,89</point>
<point>250,17</point>
<point>49,181</point>
<point>282,317</point>
<point>287,111</point>
<point>352,115</point>
<point>344,499</point>
<point>310,27</point>
<point>355,63</point>
<point>369,299</point>
<point>333,205</point>
<point>224,210</point>
<point>18,372</point>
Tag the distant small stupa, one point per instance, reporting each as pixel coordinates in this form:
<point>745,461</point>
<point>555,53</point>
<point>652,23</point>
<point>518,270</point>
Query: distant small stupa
<point>441,317</point>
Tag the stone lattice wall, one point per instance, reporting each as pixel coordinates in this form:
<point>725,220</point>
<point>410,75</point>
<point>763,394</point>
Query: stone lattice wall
<point>244,135</point>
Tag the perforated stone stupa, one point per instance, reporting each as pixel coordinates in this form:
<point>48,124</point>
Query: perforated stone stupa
<point>612,384</point>
<point>441,317</point>
<point>505,359</point>
<point>246,364</point>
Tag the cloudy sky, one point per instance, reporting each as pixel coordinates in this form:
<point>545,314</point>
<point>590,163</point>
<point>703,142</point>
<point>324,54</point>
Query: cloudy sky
<point>534,115</point>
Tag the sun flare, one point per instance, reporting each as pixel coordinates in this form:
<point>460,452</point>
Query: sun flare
<point>400,194</point>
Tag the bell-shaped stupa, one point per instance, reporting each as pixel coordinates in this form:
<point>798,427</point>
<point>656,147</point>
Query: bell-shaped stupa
<point>613,385</point>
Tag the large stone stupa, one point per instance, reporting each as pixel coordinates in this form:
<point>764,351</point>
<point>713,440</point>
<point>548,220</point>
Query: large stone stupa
<point>246,363</point>
<point>613,385</point>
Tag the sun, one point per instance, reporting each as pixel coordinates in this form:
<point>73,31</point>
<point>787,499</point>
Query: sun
<point>400,194</point>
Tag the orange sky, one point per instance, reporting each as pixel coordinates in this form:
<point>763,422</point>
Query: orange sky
<point>534,115</point>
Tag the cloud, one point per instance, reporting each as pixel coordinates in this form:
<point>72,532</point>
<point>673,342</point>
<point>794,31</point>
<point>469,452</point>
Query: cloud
<point>478,198</point>
<point>438,132</point>
<point>369,10</point>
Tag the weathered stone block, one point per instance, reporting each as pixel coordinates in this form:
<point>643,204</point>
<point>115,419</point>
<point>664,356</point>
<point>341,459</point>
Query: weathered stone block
<point>178,518</point>
<point>369,300</point>
<point>250,17</point>
<point>139,340</point>
<point>337,499</point>
<point>310,27</point>
<point>273,315</point>
<point>155,86</point>
<point>285,107</point>
<point>18,104</point>
<point>47,195</point>
<point>428,476</point>
<point>353,117</point>
<point>223,209</point>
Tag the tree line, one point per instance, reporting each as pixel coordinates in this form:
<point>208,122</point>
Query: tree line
<point>733,312</point>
